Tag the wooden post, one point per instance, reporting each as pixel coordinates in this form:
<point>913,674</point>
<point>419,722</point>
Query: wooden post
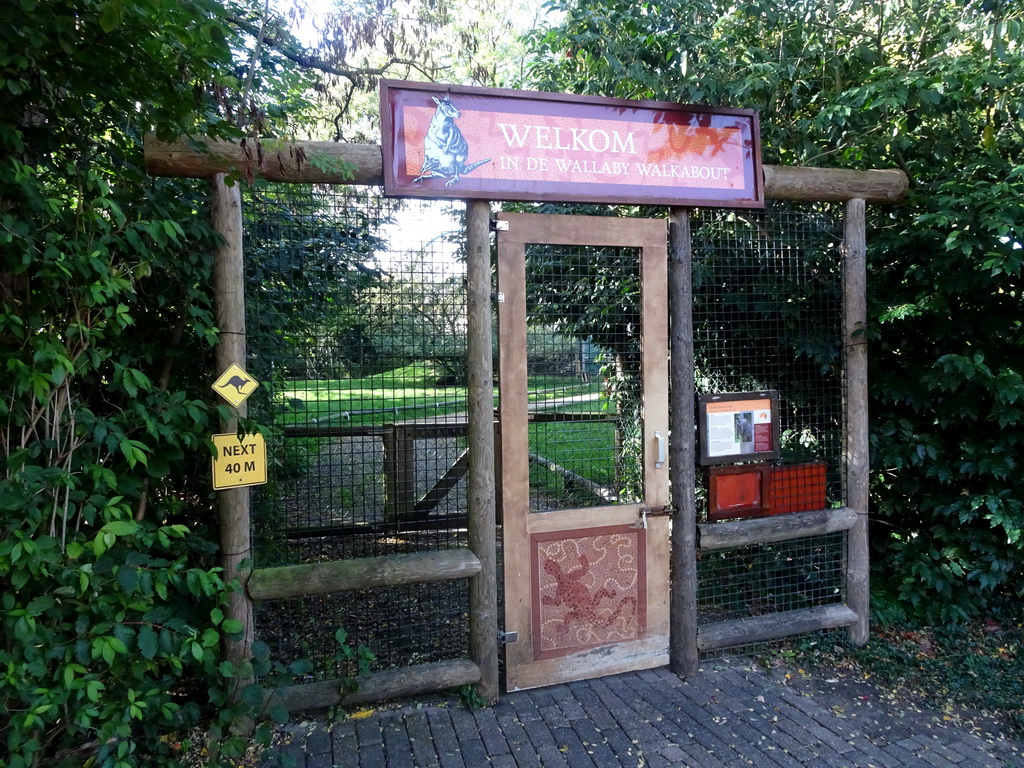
<point>483,588</point>
<point>229,295</point>
<point>683,653</point>
<point>856,438</point>
<point>399,472</point>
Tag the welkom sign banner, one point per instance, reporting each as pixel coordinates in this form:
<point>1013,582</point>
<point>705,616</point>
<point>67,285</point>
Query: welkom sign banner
<point>485,143</point>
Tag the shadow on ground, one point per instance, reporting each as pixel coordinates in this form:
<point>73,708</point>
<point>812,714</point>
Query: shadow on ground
<point>734,713</point>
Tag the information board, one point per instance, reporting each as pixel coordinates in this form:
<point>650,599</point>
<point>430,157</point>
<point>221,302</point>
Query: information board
<point>738,426</point>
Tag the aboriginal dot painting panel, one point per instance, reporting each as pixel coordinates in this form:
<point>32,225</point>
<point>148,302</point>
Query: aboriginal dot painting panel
<point>589,589</point>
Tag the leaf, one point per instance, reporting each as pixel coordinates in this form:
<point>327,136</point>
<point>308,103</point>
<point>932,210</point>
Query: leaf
<point>107,651</point>
<point>252,695</point>
<point>121,527</point>
<point>278,713</point>
<point>111,16</point>
<point>93,689</point>
<point>148,642</point>
<point>40,605</point>
<point>128,578</point>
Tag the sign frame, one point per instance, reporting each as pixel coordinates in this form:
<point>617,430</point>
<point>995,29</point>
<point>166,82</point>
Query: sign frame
<point>759,409</point>
<point>402,146</point>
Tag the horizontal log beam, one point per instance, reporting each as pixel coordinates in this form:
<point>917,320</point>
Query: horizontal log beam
<point>310,162</point>
<point>833,185</point>
<point>380,686</point>
<point>361,573</point>
<point>330,162</point>
<point>765,530</point>
<point>761,629</point>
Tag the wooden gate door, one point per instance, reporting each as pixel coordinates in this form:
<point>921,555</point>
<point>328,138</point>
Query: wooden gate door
<point>583,371</point>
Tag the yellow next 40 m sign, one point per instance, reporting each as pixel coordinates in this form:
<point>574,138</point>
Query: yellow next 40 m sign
<point>239,462</point>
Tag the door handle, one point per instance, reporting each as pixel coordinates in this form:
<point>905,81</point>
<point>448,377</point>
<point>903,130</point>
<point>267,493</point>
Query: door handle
<point>660,462</point>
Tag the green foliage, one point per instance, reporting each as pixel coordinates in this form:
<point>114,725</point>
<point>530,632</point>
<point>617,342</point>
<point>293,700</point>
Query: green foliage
<point>471,698</point>
<point>112,611</point>
<point>933,89</point>
<point>417,316</point>
<point>99,637</point>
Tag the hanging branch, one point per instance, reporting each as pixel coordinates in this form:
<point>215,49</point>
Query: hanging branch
<point>287,48</point>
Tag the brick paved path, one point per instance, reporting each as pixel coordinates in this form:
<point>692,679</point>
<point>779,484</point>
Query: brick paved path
<point>733,714</point>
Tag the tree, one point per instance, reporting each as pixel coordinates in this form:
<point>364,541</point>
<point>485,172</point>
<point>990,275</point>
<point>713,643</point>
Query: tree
<point>350,45</point>
<point>112,613</point>
<point>309,261</point>
<point>932,89</point>
<point>112,617</point>
<point>418,311</point>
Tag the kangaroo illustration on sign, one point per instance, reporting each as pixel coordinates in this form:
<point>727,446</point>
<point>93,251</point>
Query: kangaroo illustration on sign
<point>445,149</point>
<point>237,382</point>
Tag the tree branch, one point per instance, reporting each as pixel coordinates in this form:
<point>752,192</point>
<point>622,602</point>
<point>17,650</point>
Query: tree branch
<point>288,50</point>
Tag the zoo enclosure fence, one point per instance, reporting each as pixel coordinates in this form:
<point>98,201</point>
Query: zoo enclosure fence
<point>214,159</point>
<point>357,318</point>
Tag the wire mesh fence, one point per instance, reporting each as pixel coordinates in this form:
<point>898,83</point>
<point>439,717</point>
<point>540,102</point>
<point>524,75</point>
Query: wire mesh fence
<point>401,626</point>
<point>356,312</point>
<point>767,315</point>
<point>583,376</point>
<point>760,579</point>
<point>357,326</point>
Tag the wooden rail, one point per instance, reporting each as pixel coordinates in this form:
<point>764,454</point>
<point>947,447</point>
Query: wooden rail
<point>337,163</point>
<point>388,684</point>
<point>765,530</point>
<point>361,573</point>
<point>760,629</point>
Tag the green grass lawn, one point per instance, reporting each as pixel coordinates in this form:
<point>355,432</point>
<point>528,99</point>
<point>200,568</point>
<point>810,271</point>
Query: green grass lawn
<point>403,394</point>
<point>410,393</point>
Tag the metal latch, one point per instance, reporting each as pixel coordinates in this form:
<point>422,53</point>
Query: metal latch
<point>646,512</point>
<point>506,638</point>
<point>499,226</point>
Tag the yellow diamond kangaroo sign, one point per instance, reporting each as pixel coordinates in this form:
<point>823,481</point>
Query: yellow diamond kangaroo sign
<point>234,385</point>
<point>239,462</point>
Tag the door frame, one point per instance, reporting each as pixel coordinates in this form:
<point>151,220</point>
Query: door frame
<point>526,665</point>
